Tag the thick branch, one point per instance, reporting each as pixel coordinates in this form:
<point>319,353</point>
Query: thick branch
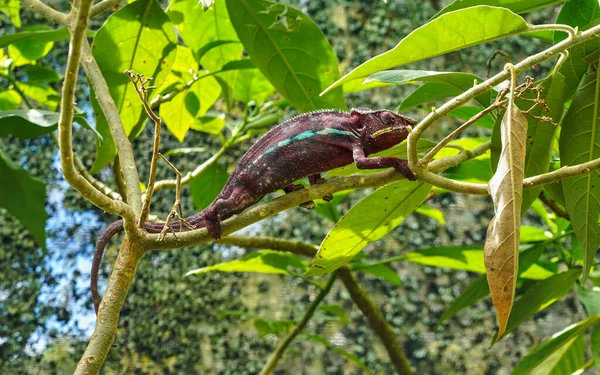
<point>43,9</point>
<point>117,131</point>
<point>105,331</point>
<point>376,321</point>
<point>283,344</point>
<point>85,188</point>
<point>104,5</point>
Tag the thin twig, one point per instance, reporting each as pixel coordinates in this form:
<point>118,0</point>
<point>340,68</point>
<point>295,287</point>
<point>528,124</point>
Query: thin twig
<point>551,203</point>
<point>104,5</point>
<point>117,130</point>
<point>176,210</point>
<point>140,84</point>
<point>283,344</point>
<point>491,59</point>
<point>43,9</point>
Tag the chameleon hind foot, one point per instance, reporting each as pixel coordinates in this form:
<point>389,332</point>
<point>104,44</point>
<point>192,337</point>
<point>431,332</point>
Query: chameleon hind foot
<point>315,179</point>
<point>293,187</point>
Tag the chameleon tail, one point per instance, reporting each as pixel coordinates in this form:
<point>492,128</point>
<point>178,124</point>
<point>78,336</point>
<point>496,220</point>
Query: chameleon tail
<point>196,221</point>
<point>106,235</point>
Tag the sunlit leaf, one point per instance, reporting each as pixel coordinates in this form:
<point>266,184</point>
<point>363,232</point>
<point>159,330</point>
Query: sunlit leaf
<point>264,261</point>
<point>557,343</point>
<point>11,9</point>
<point>450,32</point>
<point>467,258</point>
<point>28,51</point>
<point>208,185</point>
<point>9,99</point>
<point>579,143</point>
<point>379,270</point>
<point>369,220</point>
<point>502,240</point>
<point>517,6</point>
<point>460,82</point>
<point>44,95</point>
<point>24,197</point>
<point>290,50</point>
<point>433,213</point>
<point>138,37</point>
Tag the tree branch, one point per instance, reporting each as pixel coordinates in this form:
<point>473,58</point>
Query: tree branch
<point>104,5</point>
<point>376,321</point>
<point>117,131</point>
<point>283,344</point>
<point>72,176</point>
<point>44,10</point>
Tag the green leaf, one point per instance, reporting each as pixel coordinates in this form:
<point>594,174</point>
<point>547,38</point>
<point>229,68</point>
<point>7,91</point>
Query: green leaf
<point>474,292</point>
<point>28,123</point>
<point>467,258</point>
<point>252,85</point>
<point>460,82</point>
<point>533,234</point>
<point>580,142</point>
<point>290,50</point>
<point>138,37</point>
<point>35,36</point>
<point>263,261</point>
<point>450,32</point>
<point>44,95</point>
<point>335,310</point>
<point>590,298</point>
<point>38,73</point>
<point>23,197</point>
<point>540,135</point>
<point>466,112</point>
<point>398,151</point>
<point>266,326</point>
<point>557,344</point>
<point>433,213</point>
<point>479,287</point>
<point>517,6</point>
<point>541,295</point>
<point>209,124</point>
<point>11,8</point>
<point>379,270</point>
<point>329,209</point>
<point>206,186</point>
<point>215,43</point>
<point>428,92</point>
<point>27,52</point>
<point>369,220</point>
<point>474,170</point>
<point>578,14</point>
<point>9,99</point>
<point>352,357</point>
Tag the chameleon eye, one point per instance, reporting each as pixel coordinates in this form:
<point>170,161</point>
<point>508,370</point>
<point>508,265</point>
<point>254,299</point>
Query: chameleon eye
<point>385,120</point>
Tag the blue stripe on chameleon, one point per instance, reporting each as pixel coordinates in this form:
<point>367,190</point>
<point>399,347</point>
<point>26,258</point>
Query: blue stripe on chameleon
<point>304,135</point>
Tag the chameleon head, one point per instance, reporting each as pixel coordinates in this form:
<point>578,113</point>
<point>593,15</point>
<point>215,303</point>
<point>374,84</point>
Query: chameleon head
<point>381,129</point>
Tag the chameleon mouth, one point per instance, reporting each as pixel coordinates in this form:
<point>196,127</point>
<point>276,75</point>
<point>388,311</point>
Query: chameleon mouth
<point>381,132</point>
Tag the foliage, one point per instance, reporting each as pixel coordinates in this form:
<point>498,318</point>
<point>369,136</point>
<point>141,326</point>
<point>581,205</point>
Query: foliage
<point>223,73</point>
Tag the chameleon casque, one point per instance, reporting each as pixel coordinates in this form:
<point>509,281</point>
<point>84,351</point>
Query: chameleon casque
<point>305,145</point>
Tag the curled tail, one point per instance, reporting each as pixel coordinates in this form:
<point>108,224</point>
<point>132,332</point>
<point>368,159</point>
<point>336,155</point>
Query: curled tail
<point>196,221</point>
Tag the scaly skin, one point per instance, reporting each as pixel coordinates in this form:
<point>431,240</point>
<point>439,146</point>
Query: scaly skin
<point>305,145</point>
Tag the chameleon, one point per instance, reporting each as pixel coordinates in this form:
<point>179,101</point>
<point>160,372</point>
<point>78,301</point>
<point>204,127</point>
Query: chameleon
<point>303,146</point>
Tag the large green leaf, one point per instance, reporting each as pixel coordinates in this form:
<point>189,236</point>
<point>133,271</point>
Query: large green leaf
<point>32,123</point>
<point>251,84</point>
<point>556,345</point>
<point>264,261</point>
<point>466,112</point>
<point>479,287</point>
<point>461,82</point>
<point>369,220</point>
<point>138,37</point>
<point>290,50</point>
<point>540,135</point>
<point>184,111</point>
<point>541,295</point>
<point>28,51</point>
<point>45,95</point>
<point>23,197</point>
<point>36,35</point>
<point>590,298</point>
<point>450,32</point>
<point>576,13</point>
<point>428,92</point>
<point>579,143</point>
<point>9,99</point>
<point>517,6</point>
<point>467,258</point>
<point>38,73</point>
<point>208,185</point>
<point>11,9</point>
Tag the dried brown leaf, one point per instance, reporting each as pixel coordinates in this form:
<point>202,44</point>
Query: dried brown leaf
<point>506,188</point>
